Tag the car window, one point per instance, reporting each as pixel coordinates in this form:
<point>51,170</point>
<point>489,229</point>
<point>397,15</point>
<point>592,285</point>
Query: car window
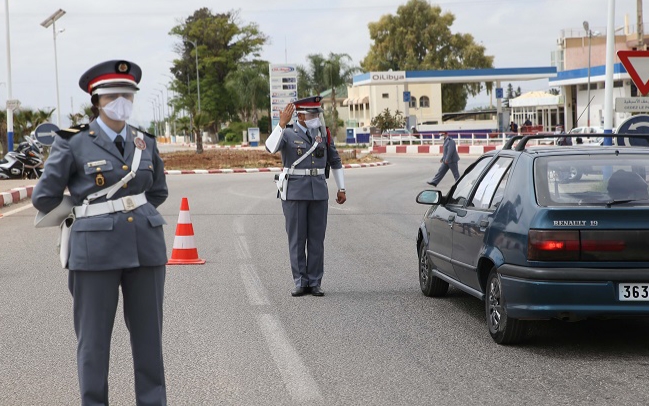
<point>465,185</point>
<point>500,191</point>
<point>486,189</point>
<point>577,130</point>
<point>591,180</point>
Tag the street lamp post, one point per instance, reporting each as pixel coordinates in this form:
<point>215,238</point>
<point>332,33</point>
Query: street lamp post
<point>198,80</point>
<point>590,35</point>
<point>10,110</point>
<point>51,20</point>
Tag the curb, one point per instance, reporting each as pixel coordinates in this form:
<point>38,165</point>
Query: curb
<point>15,195</point>
<point>433,149</point>
<point>18,194</point>
<point>255,170</point>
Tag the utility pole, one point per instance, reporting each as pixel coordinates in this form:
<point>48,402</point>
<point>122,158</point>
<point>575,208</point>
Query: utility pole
<point>641,45</point>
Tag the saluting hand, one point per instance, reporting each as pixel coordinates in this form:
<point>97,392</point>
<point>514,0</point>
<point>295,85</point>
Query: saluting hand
<point>341,198</point>
<point>286,115</point>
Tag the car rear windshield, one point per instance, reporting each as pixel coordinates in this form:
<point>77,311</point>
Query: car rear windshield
<point>592,180</point>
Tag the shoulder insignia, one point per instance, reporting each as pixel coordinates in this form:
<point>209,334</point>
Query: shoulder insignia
<point>69,132</point>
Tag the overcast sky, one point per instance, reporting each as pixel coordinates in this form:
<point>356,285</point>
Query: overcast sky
<point>518,33</point>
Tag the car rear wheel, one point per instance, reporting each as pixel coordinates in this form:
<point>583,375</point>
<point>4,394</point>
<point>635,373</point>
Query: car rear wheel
<point>503,329</point>
<point>431,285</point>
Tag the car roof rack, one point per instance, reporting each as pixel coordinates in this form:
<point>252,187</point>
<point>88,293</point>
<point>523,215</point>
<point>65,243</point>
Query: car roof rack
<point>525,138</point>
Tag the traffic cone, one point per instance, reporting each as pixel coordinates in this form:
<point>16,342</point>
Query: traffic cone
<point>185,251</point>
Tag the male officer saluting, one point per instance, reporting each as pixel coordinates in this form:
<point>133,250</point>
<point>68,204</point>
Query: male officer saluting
<point>306,151</point>
<point>116,180</point>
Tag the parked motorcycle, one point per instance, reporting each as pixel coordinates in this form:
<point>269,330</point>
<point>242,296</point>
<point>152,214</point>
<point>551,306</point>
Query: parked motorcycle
<point>26,162</point>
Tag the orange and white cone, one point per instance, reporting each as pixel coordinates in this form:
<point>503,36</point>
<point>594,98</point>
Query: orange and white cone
<point>185,251</point>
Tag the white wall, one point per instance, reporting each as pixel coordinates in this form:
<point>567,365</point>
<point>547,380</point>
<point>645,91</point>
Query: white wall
<point>597,106</point>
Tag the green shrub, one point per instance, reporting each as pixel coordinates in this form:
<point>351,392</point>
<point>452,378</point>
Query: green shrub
<point>234,133</point>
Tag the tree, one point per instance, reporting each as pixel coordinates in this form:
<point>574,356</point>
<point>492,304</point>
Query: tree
<point>223,44</point>
<point>518,92</point>
<point>3,132</point>
<point>26,120</point>
<point>249,86</point>
<point>509,94</point>
<point>419,37</point>
<point>386,121</point>
<point>322,74</point>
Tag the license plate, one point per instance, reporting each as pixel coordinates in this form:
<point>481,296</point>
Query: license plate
<point>634,291</point>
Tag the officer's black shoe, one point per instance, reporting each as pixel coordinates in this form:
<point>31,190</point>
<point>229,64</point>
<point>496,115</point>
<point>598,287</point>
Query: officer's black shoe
<point>298,291</point>
<point>431,183</point>
<point>317,291</point>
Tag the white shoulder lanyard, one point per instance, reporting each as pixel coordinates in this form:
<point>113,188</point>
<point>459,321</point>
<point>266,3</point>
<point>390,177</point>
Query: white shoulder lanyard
<point>302,158</point>
<point>135,164</point>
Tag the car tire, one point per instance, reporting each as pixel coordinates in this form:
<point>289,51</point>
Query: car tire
<point>503,329</point>
<point>431,285</point>
<point>574,175</point>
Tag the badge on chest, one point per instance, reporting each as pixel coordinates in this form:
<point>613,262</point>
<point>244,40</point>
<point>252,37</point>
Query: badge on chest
<point>100,180</point>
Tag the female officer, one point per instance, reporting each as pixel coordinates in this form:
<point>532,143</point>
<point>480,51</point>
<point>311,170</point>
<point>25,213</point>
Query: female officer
<point>116,179</point>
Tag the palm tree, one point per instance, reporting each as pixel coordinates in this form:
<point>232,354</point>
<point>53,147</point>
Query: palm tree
<point>201,121</point>
<point>3,132</point>
<point>311,79</point>
<point>338,71</point>
<point>249,88</point>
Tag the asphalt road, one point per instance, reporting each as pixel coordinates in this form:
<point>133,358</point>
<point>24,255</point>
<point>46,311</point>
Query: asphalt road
<point>233,335</point>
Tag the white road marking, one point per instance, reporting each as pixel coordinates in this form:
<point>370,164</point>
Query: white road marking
<point>299,382</point>
<point>252,284</point>
<point>14,211</point>
<point>242,247</point>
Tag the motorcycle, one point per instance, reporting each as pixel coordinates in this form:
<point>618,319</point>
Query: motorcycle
<point>26,162</point>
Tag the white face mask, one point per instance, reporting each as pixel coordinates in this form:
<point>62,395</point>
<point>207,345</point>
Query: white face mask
<point>313,123</point>
<point>119,109</point>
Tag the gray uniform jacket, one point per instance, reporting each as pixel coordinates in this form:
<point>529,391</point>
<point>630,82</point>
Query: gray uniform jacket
<point>293,145</point>
<point>450,151</point>
<point>88,162</point>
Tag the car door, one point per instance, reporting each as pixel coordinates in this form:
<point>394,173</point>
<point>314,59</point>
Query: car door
<point>441,220</point>
<point>472,223</point>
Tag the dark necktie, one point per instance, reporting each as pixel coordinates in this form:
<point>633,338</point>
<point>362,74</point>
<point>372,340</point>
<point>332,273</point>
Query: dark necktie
<point>119,143</point>
<point>308,134</point>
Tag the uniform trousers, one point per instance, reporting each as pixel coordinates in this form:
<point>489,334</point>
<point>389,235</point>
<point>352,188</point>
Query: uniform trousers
<point>306,223</point>
<point>95,295</point>
<point>444,167</point>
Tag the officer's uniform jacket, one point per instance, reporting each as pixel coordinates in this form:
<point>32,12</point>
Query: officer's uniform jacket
<point>450,151</point>
<point>88,162</point>
<point>293,145</point>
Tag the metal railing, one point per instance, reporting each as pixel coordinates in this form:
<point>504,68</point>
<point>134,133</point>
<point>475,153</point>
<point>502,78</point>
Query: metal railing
<point>436,139</point>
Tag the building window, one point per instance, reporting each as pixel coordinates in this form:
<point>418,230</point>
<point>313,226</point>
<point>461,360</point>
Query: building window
<point>582,87</point>
<point>385,95</point>
<point>424,101</point>
<point>617,83</point>
<point>413,102</point>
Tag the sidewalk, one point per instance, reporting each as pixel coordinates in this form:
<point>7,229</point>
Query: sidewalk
<point>15,190</point>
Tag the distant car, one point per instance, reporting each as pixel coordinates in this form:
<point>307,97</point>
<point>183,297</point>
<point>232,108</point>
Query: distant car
<point>514,234</point>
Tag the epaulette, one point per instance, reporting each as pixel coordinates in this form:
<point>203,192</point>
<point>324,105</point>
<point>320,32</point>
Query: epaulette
<point>145,133</point>
<point>69,132</point>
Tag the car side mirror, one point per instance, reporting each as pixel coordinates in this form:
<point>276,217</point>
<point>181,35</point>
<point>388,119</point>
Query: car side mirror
<point>429,197</point>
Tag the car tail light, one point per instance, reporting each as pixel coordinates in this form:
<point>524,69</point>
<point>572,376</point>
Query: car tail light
<point>550,245</point>
<point>606,245</point>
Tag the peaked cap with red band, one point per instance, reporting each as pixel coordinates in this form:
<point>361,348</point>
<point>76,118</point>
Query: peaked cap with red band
<point>122,74</point>
<point>308,105</point>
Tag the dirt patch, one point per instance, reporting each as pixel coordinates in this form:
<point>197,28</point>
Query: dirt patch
<point>232,158</point>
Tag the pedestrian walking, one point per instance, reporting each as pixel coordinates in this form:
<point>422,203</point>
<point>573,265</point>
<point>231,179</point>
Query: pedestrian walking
<point>449,160</point>
<point>307,150</point>
<point>116,180</point>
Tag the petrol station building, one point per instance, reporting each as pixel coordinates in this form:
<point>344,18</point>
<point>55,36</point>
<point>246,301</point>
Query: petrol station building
<point>418,94</point>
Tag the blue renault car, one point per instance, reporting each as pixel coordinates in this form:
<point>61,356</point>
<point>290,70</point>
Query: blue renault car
<point>531,241</point>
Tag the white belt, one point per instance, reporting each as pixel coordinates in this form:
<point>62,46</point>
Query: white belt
<point>125,204</point>
<point>306,172</point>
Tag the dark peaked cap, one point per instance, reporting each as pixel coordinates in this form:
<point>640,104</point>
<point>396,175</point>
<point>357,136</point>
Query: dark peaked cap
<point>309,104</point>
<point>114,73</point>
